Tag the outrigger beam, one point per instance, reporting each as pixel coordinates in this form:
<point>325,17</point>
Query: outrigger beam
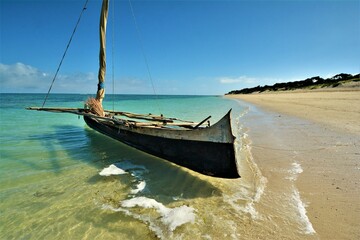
<point>154,120</point>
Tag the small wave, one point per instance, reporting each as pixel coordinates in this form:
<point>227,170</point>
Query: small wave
<point>307,226</point>
<point>163,225</point>
<point>295,171</point>
<point>111,170</point>
<point>249,208</point>
<point>162,222</point>
<point>145,219</point>
<point>245,148</point>
<point>172,217</point>
<point>135,170</point>
<point>254,183</point>
<point>242,203</point>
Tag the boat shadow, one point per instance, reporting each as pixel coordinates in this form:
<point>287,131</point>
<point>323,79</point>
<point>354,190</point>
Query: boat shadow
<point>164,180</point>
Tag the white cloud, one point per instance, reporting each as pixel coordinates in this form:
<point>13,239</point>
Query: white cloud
<point>130,85</point>
<point>23,78</point>
<point>232,80</point>
<point>76,83</point>
<point>20,76</point>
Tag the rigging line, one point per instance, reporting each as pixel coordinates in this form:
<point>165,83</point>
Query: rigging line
<point>144,55</point>
<point>67,47</point>
<point>113,55</point>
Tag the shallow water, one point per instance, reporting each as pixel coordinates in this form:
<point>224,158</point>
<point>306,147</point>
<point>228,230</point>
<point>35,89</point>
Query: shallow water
<point>62,180</point>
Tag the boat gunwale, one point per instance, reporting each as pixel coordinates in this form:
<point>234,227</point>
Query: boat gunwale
<point>218,132</point>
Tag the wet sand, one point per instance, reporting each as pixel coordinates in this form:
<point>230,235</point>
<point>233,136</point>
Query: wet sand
<point>317,135</point>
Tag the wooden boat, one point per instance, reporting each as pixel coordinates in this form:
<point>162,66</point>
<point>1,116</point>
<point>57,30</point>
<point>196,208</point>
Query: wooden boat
<point>204,148</point>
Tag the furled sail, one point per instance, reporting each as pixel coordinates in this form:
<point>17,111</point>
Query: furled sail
<point>102,55</point>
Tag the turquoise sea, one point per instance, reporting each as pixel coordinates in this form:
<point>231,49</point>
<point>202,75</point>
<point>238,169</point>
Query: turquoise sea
<point>62,180</point>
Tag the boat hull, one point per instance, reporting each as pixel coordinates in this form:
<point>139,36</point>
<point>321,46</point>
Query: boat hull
<point>213,158</point>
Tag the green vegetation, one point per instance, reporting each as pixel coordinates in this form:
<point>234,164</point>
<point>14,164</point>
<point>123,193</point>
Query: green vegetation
<point>309,83</point>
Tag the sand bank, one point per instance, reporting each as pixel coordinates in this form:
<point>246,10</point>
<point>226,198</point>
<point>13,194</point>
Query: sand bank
<point>309,142</point>
<point>339,109</point>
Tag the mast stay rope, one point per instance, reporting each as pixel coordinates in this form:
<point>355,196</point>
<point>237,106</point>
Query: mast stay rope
<point>67,47</point>
<point>144,55</point>
<point>113,56</point>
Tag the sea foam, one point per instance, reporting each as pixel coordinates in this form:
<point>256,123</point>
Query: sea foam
<point>141,186</point>
<point>307,226</point>
<point>294,171</point>
<point>169,219</point>
<point>244,199</point>
<point>172,217</point>
<point>111,170</point>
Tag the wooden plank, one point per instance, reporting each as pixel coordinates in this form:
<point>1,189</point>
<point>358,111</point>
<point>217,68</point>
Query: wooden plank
<point>155,119</point>
<point>149,117</point>
<point>202,122</point>
<point>55,109</point>
<point>77,111</point>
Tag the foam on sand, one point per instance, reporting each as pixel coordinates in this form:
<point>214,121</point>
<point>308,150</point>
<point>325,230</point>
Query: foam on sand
<point>111,170</point>
<point>307,226</point>
<point>245,197</point>
<point>172,217</point>
<point>294,171</point>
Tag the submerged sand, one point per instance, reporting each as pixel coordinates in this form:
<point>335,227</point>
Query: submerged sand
<point>317,135</point>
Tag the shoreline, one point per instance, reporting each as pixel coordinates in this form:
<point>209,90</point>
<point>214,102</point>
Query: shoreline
<point>335,108</point>
<point>315,135</point>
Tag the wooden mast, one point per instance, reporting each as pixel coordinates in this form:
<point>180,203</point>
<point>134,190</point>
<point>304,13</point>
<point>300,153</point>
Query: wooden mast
<point>102,54</point>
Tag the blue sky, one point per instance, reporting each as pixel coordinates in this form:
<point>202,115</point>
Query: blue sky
<point>192,47</point>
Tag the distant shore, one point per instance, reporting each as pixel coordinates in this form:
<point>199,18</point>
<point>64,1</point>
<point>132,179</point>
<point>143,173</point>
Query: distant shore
<point>342,80</point>
<point>318,132</point>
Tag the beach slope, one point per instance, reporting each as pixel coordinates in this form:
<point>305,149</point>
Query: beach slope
<point>309,142</point>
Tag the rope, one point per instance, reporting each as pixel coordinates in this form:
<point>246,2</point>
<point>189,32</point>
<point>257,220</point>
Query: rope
<point>67,47</point>
<point>113,54</point>
<point>143,53</point>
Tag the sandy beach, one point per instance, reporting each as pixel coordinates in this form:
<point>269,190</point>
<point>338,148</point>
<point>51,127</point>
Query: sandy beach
<point>315,134</point>
<point>338,109</point>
